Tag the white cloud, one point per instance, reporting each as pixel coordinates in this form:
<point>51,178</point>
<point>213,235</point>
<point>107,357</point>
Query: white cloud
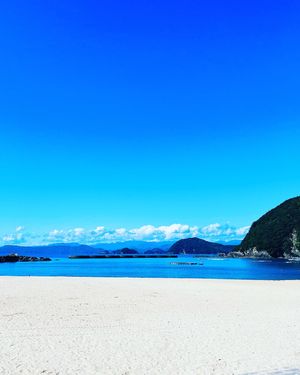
<point>223,232</point>
<point>164,232</point>
<point>16,238</point>
<point>211,232</point>
<point>243,230</point>
<point>212,229</point>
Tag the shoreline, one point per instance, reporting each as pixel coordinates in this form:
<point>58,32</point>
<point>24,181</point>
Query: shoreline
<point>146,278</point>
<point>134,326</point>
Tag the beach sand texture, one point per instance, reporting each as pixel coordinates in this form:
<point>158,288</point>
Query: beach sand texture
<point>148,326</point>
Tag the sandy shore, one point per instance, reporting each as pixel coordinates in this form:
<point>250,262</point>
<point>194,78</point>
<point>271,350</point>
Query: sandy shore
<point>148,326</point>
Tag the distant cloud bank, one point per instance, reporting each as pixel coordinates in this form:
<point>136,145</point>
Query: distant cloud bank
<point>211,232</point>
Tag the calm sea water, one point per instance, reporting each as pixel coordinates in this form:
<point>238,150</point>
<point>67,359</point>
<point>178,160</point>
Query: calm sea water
<point>217,268</point>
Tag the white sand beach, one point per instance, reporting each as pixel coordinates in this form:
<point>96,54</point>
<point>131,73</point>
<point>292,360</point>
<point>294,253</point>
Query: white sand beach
<point>148,326</point>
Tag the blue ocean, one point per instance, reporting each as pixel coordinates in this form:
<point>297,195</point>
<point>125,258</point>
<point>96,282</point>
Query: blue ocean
<point>206,268</point>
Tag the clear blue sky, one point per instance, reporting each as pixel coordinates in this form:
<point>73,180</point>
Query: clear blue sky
<point>126,113</point>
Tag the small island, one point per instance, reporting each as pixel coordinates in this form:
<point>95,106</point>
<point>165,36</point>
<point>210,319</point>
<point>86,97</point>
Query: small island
<point>14,258</point>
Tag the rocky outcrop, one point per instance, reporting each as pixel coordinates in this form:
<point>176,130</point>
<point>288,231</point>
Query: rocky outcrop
<point>13,258</point>
<point>235,254</point>
<point>251,253</point>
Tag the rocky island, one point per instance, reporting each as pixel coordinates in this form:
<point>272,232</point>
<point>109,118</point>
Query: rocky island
<point>13,258</point>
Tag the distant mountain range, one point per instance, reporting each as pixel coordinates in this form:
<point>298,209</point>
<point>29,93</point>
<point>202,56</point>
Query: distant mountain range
<point>136,245</point>
<point>53,251</point>
<point>62,250</point>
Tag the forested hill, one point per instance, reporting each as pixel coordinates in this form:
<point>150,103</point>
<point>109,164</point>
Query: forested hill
<point>277,232</point>
<point>198,246</point>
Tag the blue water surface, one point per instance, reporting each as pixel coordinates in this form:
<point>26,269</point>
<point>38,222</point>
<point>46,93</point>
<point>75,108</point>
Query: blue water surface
<point>210,267</point>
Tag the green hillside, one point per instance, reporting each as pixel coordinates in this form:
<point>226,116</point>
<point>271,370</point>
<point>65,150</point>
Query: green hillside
<point>277,232</point>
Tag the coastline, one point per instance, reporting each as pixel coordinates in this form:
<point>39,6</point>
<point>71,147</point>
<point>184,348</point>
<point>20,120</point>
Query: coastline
<point>75,325</point>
